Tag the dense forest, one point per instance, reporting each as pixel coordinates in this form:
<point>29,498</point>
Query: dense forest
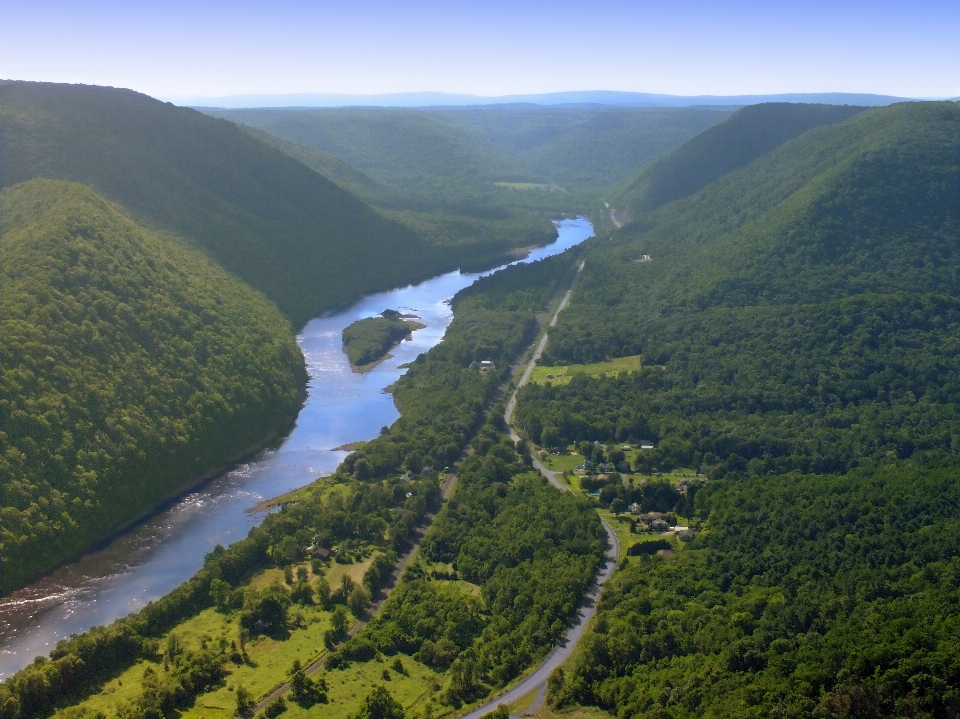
<point>845,247</point>
<point>130,366</point>
<point>289,232</point>
<point>797,319</point>
<point>807,596</point>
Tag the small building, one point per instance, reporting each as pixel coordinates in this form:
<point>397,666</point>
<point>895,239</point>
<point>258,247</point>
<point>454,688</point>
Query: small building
<point>686,534</point>
<point>665,553</point>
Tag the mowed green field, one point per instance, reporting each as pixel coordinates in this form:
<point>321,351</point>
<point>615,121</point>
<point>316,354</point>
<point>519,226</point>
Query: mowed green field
<point>562,374</point>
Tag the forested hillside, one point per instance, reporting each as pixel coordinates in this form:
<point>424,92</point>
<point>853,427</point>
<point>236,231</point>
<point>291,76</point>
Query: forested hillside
<point>798,315</point>
<point>297,237</point>
<point>130,366</point>
<point>835,254</point>
<point>749,133</point>
<point>457,154</point>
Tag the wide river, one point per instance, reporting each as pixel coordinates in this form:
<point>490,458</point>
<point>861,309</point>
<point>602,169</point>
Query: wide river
<point>341,407</point>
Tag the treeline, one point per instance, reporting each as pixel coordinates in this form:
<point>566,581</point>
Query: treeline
<point>372,514</point>
<point>129,365</point>
<point>532,550</point>
<point>809,596</point>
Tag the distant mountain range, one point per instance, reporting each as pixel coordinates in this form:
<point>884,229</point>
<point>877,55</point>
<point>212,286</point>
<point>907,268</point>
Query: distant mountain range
<point>590,97</point>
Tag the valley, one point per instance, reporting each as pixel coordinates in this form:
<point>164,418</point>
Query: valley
<point>695,457</point>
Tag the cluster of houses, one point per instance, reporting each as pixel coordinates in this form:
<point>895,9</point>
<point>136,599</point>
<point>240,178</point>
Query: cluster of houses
<point>659,522</point>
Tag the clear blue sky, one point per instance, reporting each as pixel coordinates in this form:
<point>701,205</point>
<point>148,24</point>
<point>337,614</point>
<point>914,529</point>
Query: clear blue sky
<point>175,48</point>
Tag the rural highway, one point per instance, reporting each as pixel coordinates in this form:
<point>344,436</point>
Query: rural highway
<point>538,680</point>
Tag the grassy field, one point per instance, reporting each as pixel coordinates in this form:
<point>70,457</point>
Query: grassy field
<point>562,375</point>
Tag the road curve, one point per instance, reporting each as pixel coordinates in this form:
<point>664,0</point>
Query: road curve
<point>538,680</point>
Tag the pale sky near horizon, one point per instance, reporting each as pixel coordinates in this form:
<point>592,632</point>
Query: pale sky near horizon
<point>210,48</point>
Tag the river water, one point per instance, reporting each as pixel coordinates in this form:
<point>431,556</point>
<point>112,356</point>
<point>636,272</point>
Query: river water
<point>166,550</point>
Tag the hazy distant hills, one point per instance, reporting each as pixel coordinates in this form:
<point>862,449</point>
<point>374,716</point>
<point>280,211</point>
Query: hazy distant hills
<point>592,97</point>
<point>746,135</point>
<point>291,233</point>
<point>461,152</point>
<point>129,366</point>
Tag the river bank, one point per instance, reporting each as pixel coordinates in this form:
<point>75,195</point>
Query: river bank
<point>342,407</point>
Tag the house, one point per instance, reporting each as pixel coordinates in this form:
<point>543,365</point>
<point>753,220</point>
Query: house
<point>588,465</point>
<point>606,467</point>
<point>659,525</point>
<point>646,444</point>
<point>686,534</point>
<point>651,516</point>
<point>406,478</point>
<point>474,365</point>
<point>634,508</point>
<point>486,365</point>
<point>320,553</point>
<point>623,468</point>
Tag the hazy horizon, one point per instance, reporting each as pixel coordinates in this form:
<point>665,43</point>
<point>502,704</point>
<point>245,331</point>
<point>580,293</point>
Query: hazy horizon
<point>212,48</point>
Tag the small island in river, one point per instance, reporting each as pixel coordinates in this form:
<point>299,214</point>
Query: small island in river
<point>368,341</point>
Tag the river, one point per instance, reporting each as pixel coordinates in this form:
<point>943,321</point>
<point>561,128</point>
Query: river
<point>166,550</point>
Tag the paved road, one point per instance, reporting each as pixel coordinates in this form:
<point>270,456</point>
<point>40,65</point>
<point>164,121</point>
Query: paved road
<point>538,680</point>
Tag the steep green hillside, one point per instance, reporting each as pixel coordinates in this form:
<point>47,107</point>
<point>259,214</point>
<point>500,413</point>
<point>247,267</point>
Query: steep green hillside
<point>836,254</point>
<point>799,315</point>
<point>743,137</point>
<point>294,235</point>
<point>455,154</point>
<point>129,366</point>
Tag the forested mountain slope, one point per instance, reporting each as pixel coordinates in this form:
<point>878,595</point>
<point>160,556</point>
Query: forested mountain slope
<point>838,255</point>
<point>457,153</point>
<point>740,139</point>
<point>129,366</point>
<point>294,235</point>
<point>798,321</point>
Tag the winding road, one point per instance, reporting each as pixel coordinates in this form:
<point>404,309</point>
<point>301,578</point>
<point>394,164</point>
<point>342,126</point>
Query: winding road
<point>538,680</point>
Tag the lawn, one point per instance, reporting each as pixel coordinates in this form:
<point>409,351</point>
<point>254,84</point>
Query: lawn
<point>562,374</point>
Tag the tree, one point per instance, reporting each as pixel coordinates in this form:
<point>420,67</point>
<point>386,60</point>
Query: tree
<point>380,705</point>
<point>618,506</point>
<point>501,712</point>
<point>244,700</point>
<point>340,622</point>
<point>359,601</point>
<point>322,588</point>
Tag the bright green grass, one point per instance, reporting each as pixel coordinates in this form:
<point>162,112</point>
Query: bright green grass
<point>562,462</point>
<point>348,688</point>
<point>562,375</point>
